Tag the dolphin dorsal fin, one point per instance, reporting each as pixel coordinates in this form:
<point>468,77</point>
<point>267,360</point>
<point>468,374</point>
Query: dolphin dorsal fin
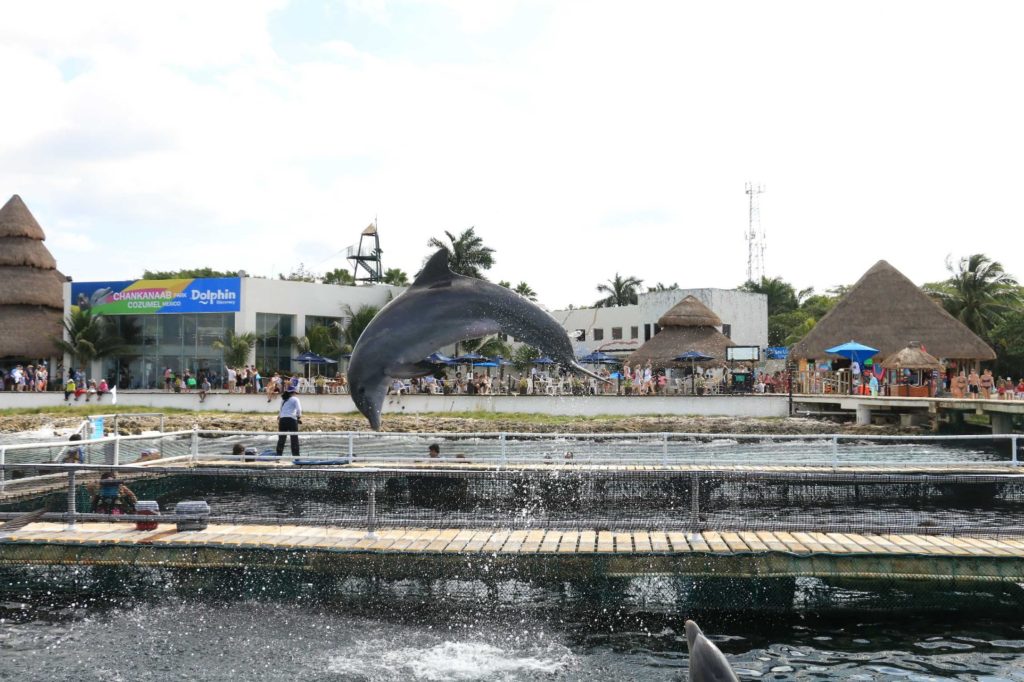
<point>436,272</point>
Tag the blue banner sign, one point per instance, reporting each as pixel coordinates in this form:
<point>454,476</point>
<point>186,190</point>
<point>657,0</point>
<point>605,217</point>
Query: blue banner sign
<point>776,352</point>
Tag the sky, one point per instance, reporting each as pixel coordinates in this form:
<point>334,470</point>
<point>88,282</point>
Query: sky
<point>581,139</point>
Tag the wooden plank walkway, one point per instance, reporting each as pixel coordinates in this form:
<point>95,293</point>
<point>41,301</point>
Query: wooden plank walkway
<point>478,541</point>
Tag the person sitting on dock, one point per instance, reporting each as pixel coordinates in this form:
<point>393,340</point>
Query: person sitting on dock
<point>113,497</point>
<point>73,453</point>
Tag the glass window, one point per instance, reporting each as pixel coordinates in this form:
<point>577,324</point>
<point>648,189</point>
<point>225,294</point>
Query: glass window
<point>616,333</point>
<point>727,330</point>
<point>634,332</point>
<point>274,347</point>
<point>598,335</point>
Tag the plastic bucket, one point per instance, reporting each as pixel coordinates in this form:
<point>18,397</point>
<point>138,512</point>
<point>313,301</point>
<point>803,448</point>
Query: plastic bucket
<point>192,508</point>
<point>147,508</point>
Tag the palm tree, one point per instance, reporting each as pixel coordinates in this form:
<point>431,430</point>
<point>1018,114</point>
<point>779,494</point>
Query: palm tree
<point>321,339</point>
<point>488,346</point>
<point>663,287</point>
<point>782,297</point>
<point>620,290</point>
<point>395,277</point>
<point>526,291</point>
<point>236,347</point>
<point>467,254</point>
<point>978,292</point>
<point>358,320</point>
<point>90,337</point>
<point>339,276</point>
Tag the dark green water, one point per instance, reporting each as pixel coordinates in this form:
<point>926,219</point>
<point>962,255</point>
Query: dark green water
<point>92,624</point>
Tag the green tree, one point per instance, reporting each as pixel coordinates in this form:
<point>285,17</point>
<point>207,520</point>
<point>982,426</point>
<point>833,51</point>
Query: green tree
<point>339,276</point>
<point>488,346</point>
<point>236,347</point>
<point>663,287</point>
<point>526,291</point>
<point>523,356</point>
<point>358,320</point>
<point>467,254</point>
<point>187,273</point>
<point>395,277</point>
<point>90,337</point>
<point>1008,339</point>
<point>782,297</point>
<point>321,339</point>
<point>979,293</point>
<point>620,290</point>
<point>300,274</point>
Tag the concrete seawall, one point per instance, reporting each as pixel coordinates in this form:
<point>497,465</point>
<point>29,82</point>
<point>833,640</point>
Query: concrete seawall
<point>587,406</point>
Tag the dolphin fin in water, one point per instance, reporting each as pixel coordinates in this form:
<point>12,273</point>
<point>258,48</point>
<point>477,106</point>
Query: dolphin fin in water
<point>439,309</point>
<point>707,662</point>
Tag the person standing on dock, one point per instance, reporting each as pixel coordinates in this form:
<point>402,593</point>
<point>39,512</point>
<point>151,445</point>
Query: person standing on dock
<point>288,419</point>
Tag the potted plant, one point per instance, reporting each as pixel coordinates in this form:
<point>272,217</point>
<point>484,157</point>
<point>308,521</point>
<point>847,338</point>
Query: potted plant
<point>523,386</point>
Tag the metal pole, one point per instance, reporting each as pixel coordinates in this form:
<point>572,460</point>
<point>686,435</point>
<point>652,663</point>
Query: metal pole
<point>835,451</point>
<point>117,449</point>
<point>1013,451</point>
<point>351,447</point>
<point>3,472</point>
<point>694,503</point>
<point>504,451</point>
<point>71,500</point>
<point>371,509</point>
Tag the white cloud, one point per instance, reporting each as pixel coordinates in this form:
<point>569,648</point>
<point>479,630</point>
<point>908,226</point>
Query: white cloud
<point>601,141</point>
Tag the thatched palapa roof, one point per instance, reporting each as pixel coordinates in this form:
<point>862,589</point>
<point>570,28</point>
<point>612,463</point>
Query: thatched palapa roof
<point>689,325</point>
<point>912,357</point>
<point>31,288</point>
<point>887,311</point>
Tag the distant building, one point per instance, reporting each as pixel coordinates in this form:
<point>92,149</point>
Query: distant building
<point>624,329</point>
<point>173,323</point>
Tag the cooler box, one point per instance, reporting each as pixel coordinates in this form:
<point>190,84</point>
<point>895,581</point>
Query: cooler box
<point>184,508</point>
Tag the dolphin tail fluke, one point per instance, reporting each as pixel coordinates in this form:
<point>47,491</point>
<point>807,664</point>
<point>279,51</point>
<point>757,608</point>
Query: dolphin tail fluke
<point>583,370</point>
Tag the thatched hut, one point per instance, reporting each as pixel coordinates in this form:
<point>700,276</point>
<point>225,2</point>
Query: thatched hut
<point>31,288</point>
<point>887,311</point>
<point>689,325</point>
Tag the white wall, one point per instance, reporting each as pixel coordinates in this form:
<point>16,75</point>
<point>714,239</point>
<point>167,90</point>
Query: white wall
<point>589,406</point>
<point>746,313</point>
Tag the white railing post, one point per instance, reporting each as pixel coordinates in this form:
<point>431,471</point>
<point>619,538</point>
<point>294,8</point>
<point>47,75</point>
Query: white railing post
<point>664,449</point>
<point>371,508</point>
<point>351,447</point>
<point>835,451</point>
<point>3,472</point>
<point>117,448</point>
<point>504,448</point>
<point>116,430</point>
<point>195,442</point>
<point>1013,451</point>
<point>161,422</point>
<point>71,500</point>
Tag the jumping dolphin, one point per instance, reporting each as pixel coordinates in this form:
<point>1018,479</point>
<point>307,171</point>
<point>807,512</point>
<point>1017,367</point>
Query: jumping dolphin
<point>439,309</point>
<point>707,663</point>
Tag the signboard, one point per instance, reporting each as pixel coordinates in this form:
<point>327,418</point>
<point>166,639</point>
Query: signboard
<point>776,352</point>
<point>159,296</point>
<point>743,353</point>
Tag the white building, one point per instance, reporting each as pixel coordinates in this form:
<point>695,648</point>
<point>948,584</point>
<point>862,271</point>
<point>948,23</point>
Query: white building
<point>173,323</point>
<point>744,319</point>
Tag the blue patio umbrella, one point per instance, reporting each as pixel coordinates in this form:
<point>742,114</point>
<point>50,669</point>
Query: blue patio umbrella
<point>439,359</point>
<point>543,360</point>
<point>310,358</point>
<point>485,363</point>
<point>469,358</point>
<point>693,356</point>
<point>854,352</point>
<point>599,358</point>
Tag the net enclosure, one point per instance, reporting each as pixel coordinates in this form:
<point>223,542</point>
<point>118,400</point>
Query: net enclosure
<point>659,482</point>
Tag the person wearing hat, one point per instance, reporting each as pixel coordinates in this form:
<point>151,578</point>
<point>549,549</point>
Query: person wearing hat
<point>288,420</point>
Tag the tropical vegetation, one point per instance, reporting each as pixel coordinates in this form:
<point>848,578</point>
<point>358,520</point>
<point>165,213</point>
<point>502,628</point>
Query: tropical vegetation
<point>620,291</point>
<point>358,320</point>
<point>236,347</point>
<point>467,254</point>
<point>89,337</point>
<point>187,273</point>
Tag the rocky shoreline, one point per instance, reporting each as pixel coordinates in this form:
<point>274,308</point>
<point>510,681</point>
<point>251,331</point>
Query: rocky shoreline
<point>455,423</point>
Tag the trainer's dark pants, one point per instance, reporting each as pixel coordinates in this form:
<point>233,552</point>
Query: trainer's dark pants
<point>288,424</point>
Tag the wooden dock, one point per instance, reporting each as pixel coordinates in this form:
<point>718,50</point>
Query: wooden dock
<point>559,554</point>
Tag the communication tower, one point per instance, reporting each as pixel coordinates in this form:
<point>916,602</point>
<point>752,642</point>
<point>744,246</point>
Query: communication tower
<point>366,258</point>
<point>755,235</point>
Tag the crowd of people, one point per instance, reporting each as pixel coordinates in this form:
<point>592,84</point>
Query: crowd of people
<point>25,378</point>
<point>985,386</point>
